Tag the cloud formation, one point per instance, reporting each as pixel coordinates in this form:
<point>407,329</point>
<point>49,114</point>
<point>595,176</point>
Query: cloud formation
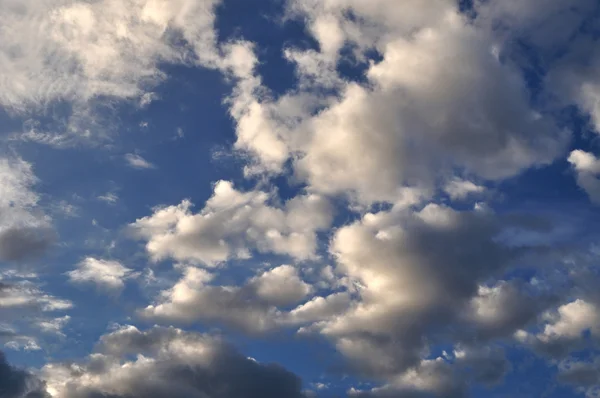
<point>17,383</point>
<point>170,363</point>
<point>105,274</point>
<point>25,231</point>
<point>233,224</point>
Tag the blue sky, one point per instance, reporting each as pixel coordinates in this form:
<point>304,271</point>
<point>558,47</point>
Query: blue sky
<point>299,198</point>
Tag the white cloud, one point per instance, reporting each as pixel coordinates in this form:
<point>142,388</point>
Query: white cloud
<point>281,286</point>
<point>137,162</point>
<point>320,308</point>
<point>587,167</point>
<point>460,189</point>
<point>109,197</point>
<point>78,51</point>
<point>106,275</point>
<point>54,326</point>
<point>193,298</point>
<point>439,99</point>
<point>234,223</point>
<point>25,231</point>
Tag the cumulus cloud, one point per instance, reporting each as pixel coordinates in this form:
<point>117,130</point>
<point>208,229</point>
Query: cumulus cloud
<point>587,168</point>
<point>253,306</point>
<point>417,274</point>
<point>442,108</point>
<point>281,286</point>
<point>564,329</point>
<point>439,98</point>
<point>234,223</point>
<point>169,363</point>
<point>25,231</point>
<point>105,274</point>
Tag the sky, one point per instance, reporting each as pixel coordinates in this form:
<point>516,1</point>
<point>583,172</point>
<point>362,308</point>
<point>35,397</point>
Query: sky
<point>299,198</point>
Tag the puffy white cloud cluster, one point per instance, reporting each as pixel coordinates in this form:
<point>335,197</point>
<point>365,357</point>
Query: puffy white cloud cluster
<point>233,224</point>
<point>440,99</point>
<point>253,306</point>
<point>441,112</point>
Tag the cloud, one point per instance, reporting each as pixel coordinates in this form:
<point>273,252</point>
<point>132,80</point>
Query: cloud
<point>584,375</point>
<point>17,383</point>
<point>109,197</point>
<point>439,99</point>
<point>27,313</point>
<point>21,243</point>
<point>25,231</point>
<point>587,168</point>
<point>234,223</point>
<point>460,189</point>
<point>252,307</point>
<point>26,295</point>
<point>106,275</point>
<point>448,376</point>
<point>80,51</point>
<point>138,162</point>
<point>281,286</point>
<point>170,363</point>
<point>564,329</point>
<point>417,275</point>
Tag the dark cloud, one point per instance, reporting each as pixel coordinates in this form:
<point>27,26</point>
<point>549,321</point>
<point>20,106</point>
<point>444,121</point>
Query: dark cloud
<point>176,364</point>
<point>17,383</point>
<point>18,244</point>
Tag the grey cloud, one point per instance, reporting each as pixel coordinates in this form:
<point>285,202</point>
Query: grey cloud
<point>177,364</point>
<point>252,306</point>
<point>22,243</point>
<point>17,383</point>
<point>583,375</point>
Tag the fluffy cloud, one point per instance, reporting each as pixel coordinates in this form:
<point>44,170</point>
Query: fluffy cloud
<point>281,286</point>
<point>417,274</point>
<point>234,223</point>
<point>252,306</point>
<point>447,376</point>
<point>105,274</point>
<point>587,167</point>
<point>169,363</point>
<point>25,231</point>
<point>565,328</point>
<point>439,98</point>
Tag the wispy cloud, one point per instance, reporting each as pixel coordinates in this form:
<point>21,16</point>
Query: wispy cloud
<point>138,162</point>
